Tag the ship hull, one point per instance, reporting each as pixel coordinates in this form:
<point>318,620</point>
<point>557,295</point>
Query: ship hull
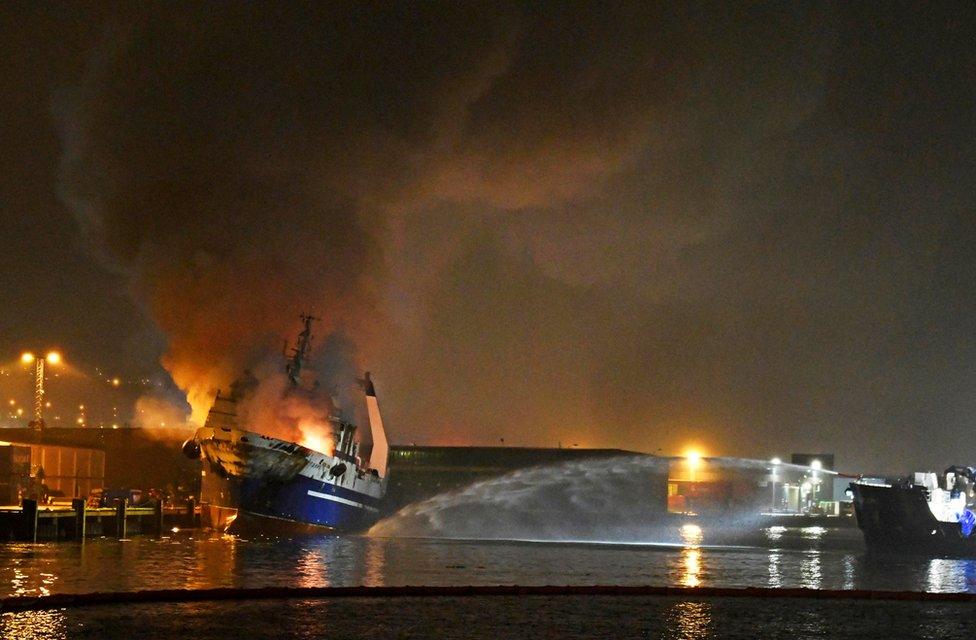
<point>898,518</point>
<point>272,485</point>
<point>300,500</point>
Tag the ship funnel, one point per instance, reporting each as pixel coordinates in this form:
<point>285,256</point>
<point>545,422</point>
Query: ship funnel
<point>381,448</point>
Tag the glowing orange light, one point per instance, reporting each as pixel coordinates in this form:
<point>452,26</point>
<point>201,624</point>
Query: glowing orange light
<point>27,357</point>
<point>116,382</point>
<point>691,534</point>
<point>53,357</point>
<point>692,567</point>
<point>316,438</point>
<point>313,442</point>
<point>693,456</point>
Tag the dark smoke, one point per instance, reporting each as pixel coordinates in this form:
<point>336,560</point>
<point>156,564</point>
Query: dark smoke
<point>626,225</point>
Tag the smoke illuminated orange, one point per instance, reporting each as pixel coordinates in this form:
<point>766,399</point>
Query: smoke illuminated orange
<point>317,437</point>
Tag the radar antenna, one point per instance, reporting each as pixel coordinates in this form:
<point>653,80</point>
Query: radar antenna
<point>300,351</point>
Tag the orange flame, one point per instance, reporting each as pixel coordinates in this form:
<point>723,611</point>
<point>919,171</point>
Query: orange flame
<point>317,437</point>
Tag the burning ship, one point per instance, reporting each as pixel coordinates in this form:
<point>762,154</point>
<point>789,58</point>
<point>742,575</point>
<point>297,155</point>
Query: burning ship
<point>928,512</point>
<point>253,481</point>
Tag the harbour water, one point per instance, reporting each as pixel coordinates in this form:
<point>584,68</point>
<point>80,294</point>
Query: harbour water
<point>813,558</point>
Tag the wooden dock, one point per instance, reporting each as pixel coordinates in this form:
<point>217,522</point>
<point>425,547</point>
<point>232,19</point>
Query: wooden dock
<point>31,522</point>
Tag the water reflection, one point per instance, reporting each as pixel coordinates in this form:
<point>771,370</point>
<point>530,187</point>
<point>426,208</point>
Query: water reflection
<point>774,569</point>
<point>692,567</point>
<point>774,534</point>
<point>33,625</point>
<point>691,620</point>
<point>813,533</point>
<point>313,569</point>
<point>691,536</point>
<point>969,571</point>
<point>375,563</point>
<point>811,576</point>
<point>849,572</point>
<point>946,575</point>
<point>785,559</point>
<point>215,562</point>
<point>30,575</point>
<point>18,584</point>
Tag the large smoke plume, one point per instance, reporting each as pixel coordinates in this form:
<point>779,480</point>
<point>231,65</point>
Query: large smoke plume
<point>242,175</point>
<point>626,224</point>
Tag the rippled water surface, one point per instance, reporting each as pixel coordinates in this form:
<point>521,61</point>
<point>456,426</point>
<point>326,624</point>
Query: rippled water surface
<point>811,557</point>
<point>535,618</point>
<point>777,557</point>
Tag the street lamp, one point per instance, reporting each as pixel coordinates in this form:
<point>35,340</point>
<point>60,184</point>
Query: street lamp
<point>52,358</point>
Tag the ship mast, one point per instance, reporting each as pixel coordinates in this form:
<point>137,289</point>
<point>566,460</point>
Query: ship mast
<point>300,351</point>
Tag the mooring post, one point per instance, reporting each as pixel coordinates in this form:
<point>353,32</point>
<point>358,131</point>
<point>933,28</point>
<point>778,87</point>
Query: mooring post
<point>120,518</point>
<point>158,517</point>
<point>29,511</point>
<point>78,505</point>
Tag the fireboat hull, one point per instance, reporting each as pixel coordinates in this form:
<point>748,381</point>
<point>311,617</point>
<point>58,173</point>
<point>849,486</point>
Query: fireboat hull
<point>898,518</point>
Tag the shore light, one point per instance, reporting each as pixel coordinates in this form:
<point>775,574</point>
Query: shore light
<point>776,461</point>
<point>52,358</point>
<point>816,465</point>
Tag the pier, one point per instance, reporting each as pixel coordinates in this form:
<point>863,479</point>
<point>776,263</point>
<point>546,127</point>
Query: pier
<point>33,522</point>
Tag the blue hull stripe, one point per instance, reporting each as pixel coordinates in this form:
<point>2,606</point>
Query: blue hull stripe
<point>326,496</point>
<point>306,500</point>
<point>335,490</point>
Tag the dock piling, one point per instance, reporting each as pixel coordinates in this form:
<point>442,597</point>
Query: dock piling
<point>78,504</point>
<point>32,522</point>
<point>158,517</point>
<point>120,518</point>
<point>29,515</point>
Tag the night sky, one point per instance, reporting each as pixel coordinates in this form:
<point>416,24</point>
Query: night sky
<point>642,226</point>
